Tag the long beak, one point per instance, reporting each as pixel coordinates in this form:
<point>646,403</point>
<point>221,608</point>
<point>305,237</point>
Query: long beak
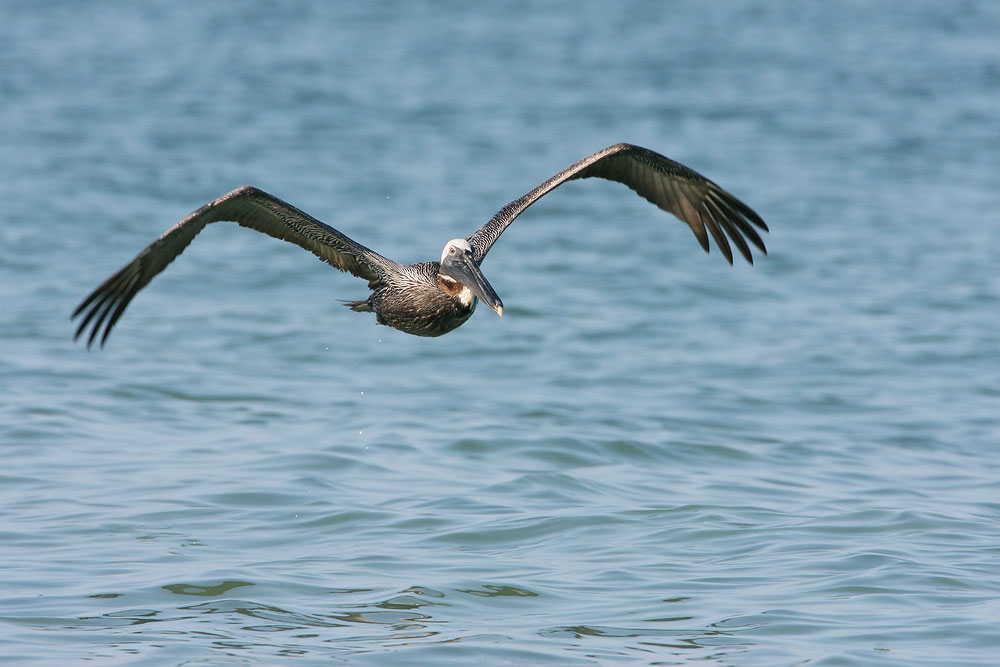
<point>464,269</point>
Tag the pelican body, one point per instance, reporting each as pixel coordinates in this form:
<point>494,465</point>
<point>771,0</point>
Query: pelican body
<point>432,298</point>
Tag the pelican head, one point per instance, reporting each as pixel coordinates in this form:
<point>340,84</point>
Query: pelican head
<point>459,265</point>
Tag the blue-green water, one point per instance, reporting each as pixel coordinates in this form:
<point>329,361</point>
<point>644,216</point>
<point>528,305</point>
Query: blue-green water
<point>653,457</point>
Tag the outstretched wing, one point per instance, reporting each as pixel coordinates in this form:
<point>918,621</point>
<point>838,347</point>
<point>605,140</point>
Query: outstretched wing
<point>670,185</point>
<point>249,207</point>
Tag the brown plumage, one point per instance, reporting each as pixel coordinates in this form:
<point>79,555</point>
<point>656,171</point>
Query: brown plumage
<point>432,298</point>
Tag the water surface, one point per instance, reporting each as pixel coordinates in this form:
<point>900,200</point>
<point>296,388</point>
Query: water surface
<point>653,457</point>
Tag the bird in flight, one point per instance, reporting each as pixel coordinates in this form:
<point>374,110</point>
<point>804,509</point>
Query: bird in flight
<point>431,298</point>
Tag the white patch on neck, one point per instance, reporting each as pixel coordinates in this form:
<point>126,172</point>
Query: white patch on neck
<point>465,296</point>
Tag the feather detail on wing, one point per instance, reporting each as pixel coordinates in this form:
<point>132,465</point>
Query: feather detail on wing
<point>248,207</point>
<point>703,205</point>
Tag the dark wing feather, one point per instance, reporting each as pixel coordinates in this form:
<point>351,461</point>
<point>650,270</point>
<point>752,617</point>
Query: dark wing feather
<point>703,205</point>
<point>249,207</point>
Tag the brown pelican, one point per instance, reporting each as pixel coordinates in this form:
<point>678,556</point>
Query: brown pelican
<point>432,298</point>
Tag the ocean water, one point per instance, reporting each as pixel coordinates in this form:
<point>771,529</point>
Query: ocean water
<point>652,458</point>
